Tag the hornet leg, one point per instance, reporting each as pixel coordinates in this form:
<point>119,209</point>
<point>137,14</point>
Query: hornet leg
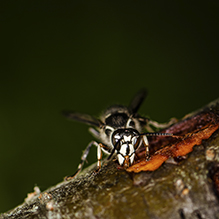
<point>146,144</point>
<point>84,157</point>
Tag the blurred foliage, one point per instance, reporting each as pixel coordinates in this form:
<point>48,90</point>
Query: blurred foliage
<point>85,56</point>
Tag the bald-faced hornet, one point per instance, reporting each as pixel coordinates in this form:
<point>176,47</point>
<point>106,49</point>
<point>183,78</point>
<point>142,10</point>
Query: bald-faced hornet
<point>120,131</point>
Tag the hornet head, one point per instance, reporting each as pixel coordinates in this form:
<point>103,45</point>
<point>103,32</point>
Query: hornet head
<point>125,142</point>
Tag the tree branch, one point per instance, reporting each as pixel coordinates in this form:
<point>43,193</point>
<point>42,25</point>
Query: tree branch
<point>186,188</point>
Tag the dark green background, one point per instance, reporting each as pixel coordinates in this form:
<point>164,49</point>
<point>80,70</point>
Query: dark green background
<point>86,55</point>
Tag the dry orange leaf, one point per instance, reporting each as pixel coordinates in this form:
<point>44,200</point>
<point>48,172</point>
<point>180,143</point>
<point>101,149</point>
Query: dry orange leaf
<point>180,148</point>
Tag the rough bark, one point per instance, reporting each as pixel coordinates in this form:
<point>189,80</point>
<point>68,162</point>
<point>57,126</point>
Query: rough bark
<point>178,190</point>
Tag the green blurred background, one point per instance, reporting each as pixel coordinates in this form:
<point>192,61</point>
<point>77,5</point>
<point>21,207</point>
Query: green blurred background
<point>86,55</point>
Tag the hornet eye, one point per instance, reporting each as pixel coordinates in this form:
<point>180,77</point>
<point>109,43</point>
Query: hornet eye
<point>134,140</point>
<point>116,137</point>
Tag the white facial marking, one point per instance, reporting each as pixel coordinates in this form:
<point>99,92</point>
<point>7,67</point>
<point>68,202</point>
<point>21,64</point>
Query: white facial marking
<point>123,150</point>
<point>120,159</point>
<point>132,158</point>
<point>131,149</point>
<point>127,138</point>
